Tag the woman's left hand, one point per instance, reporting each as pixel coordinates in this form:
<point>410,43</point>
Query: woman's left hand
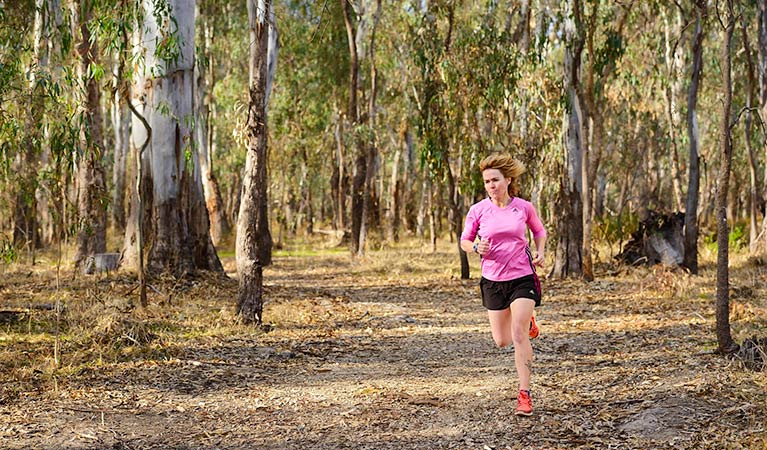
<point>538,259</point>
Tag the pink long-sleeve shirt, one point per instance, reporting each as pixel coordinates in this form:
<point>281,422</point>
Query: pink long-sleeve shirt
<point>509,256</point>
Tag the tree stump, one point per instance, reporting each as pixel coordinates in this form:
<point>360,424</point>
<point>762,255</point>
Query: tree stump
<point>659,240</point>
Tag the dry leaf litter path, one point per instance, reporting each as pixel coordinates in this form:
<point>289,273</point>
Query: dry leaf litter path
<point>396,354</point>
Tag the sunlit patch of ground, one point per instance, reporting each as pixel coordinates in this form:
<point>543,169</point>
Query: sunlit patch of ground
<point>390,350</point>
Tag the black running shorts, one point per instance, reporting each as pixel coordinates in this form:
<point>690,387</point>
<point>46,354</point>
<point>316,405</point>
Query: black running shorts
<point>498,295</point>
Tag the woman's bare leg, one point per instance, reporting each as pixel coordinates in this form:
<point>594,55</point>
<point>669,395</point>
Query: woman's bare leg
<point>521,312</point>
<point>500,326</point>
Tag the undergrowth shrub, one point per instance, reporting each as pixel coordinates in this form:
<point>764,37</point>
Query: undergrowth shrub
<point>737,239</point>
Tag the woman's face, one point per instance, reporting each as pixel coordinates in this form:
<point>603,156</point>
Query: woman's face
<point>496,185</point>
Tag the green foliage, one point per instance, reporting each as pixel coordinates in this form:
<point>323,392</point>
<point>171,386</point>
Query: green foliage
<point>737,239</point>
<point>8,253</point>
<point>95,71</point>
<point>432,122</point>
<point>485,66</point>
<point>168,46</point>
<point>613,230</point>
<point>608,54</point>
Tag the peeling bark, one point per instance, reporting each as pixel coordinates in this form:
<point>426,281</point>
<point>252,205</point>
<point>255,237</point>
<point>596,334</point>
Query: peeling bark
<point>254,241</point>
<point>178,226</point>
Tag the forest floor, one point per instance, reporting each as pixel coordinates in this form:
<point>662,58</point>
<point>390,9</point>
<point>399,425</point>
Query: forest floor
<point>390,351</point>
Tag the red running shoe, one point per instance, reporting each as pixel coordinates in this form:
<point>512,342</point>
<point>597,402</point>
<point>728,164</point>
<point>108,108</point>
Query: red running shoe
<point>524,404</point>
<point>534,331</point>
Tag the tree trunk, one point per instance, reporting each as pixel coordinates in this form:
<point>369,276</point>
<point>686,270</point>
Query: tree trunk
<point>370,172</point>
<point>337,181</point>
<point>521,34</point>
<point>169,89</point>
<point>138,222</point>
<point>25,234</point>
<point>26,163</point>
<point>47,196</point>
<point>587,110</point>
<point>724,338</point>
<point>91,185</point>
<point>586,133</point>
<point>588,268</point>
<point>456,218</point>
<point>432,218</point>
<point>643,176</point>
<point>673,66</point>
<point>392,210</point>
<point>360,167</point>
<point>423,202</point>
<point>233,197</point>
<point>179,226</point>
<point>306,193</point>
<point>358,199</point>
<point>121,118</point>
<point>691,212</point>
<point>204,254</point>
<point>409,183</point>
<point>706,215</point>
<point>137,227</point>
<point>121,121</point>
<point>379,200</point>
<point>568,258</point>
<point>600,193</point>
<point>589,106</point>
<point>753,200</point>
<point>762,78</point>
<point>251,235</point>
<point>219,226</point>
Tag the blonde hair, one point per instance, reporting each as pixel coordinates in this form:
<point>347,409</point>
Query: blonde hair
<point>508,166</point>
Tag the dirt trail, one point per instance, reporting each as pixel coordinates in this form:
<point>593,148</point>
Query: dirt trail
<point>397,354</point>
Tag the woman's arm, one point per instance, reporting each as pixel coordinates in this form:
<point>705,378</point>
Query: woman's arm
<point>540,247</point>
<point>467,246</point>
<point>482,246</point>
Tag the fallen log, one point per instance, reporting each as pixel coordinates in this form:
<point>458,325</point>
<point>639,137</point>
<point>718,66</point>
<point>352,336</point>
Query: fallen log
<point>7,316</point>
<point>14,314</point>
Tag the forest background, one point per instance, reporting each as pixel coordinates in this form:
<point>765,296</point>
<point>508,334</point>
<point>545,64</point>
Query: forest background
<point>156,129</point>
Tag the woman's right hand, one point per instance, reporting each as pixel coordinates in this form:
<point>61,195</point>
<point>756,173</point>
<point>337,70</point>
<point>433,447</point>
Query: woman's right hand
<point>483,247</point>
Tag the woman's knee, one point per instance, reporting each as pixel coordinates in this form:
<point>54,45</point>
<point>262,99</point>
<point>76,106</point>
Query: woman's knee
<point>520,335</point>
<point>502,341</point>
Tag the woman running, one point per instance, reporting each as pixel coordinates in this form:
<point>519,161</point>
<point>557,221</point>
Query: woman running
<point>496,229</point>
